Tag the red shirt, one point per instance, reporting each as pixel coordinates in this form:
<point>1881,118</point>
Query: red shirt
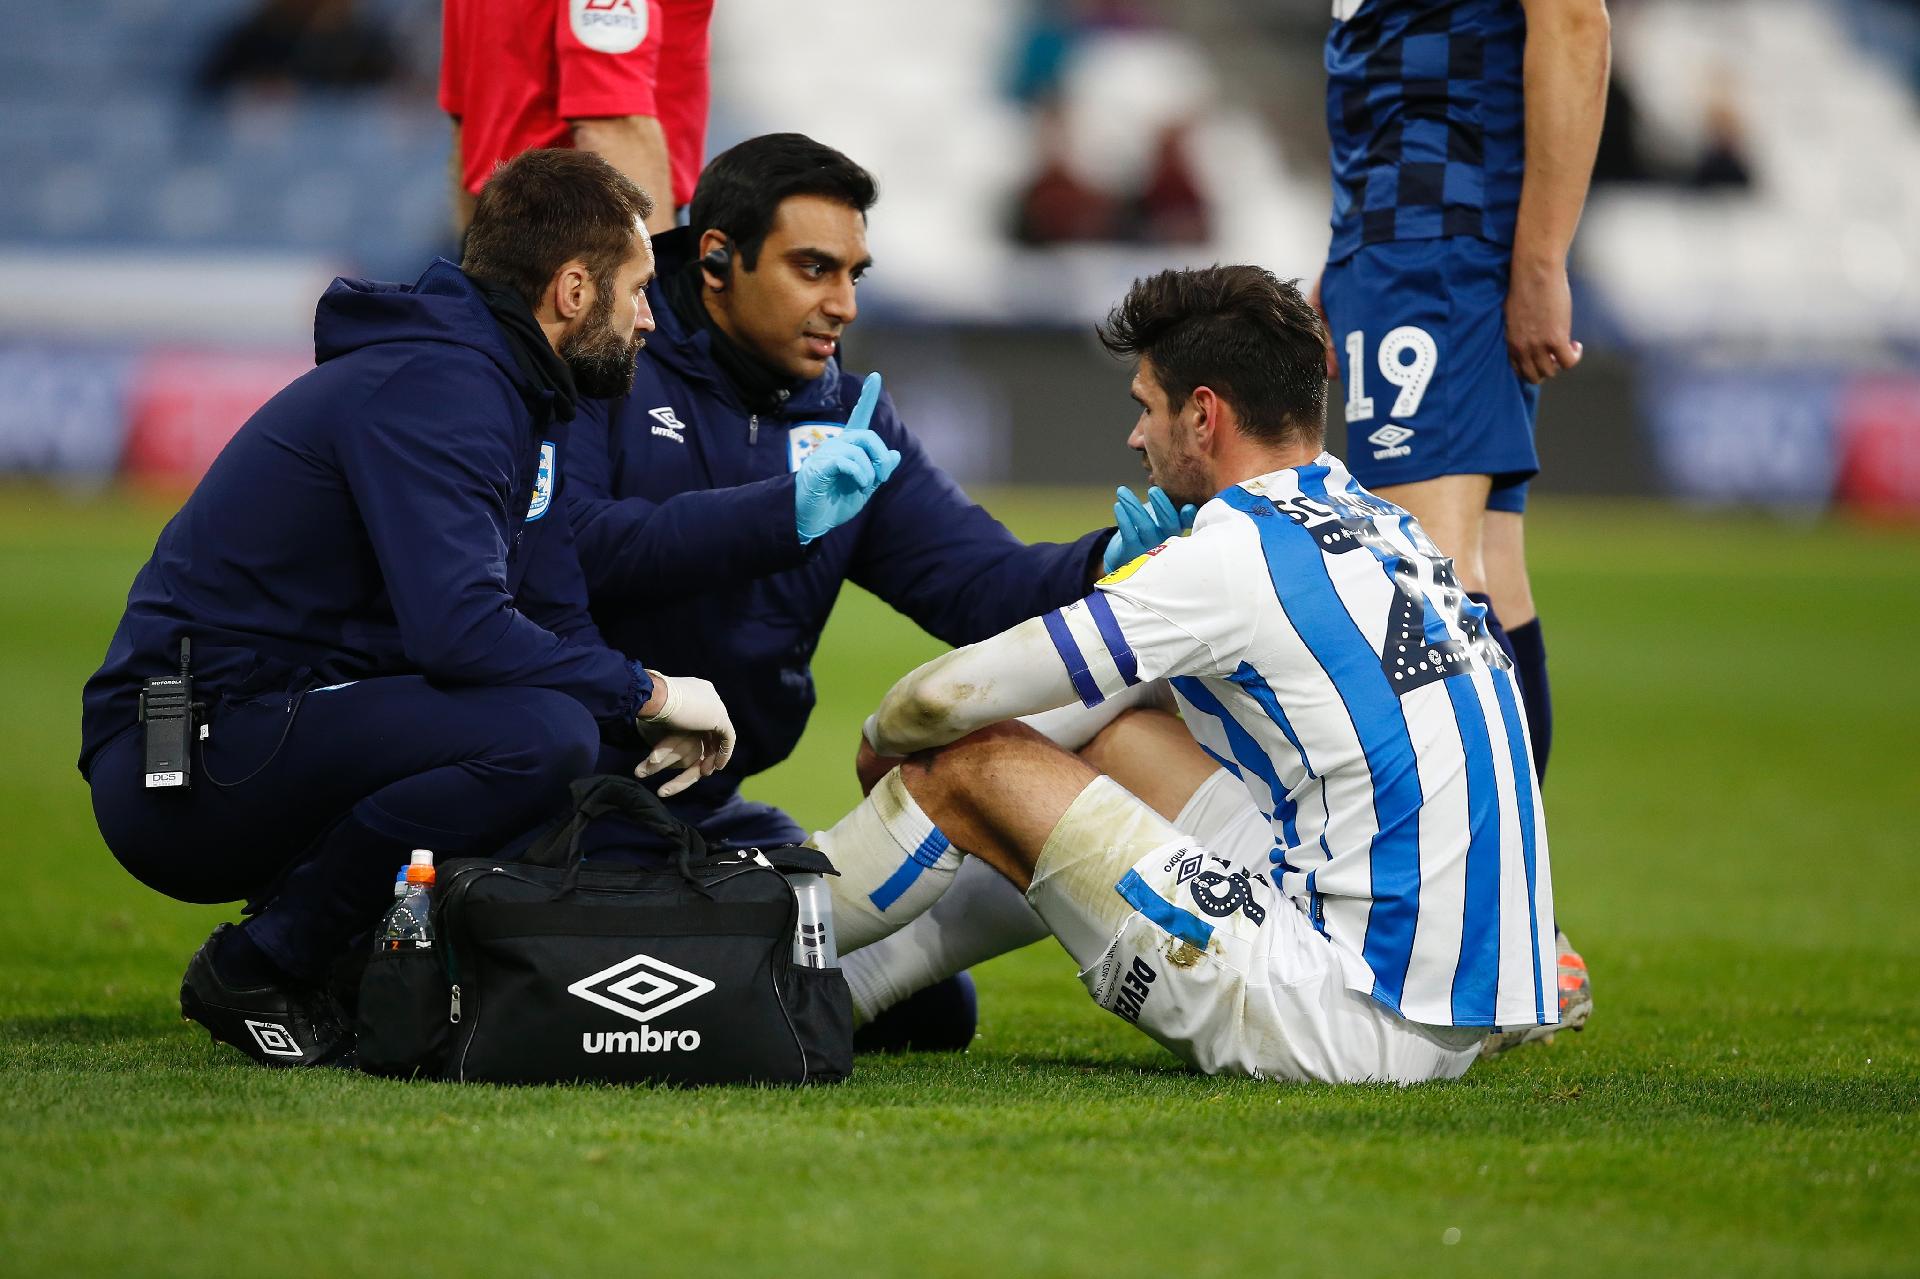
<point>514,72</point>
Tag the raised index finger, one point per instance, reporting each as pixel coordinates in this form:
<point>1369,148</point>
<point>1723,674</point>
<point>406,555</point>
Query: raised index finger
<point>869,400</point>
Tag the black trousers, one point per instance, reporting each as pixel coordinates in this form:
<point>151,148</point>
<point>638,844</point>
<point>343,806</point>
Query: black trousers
<point>317,798</point>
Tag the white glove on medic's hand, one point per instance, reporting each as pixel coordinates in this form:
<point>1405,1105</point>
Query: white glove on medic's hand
<point>691,732</point>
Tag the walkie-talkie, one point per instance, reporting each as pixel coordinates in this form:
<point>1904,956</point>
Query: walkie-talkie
<point>166,711</point>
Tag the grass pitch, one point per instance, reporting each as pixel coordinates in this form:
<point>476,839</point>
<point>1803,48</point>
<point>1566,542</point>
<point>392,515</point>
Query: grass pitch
<point>1733,804</point>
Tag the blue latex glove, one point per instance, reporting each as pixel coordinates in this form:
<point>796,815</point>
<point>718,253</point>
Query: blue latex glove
<point>1143,527</point>
<point>840,475</point>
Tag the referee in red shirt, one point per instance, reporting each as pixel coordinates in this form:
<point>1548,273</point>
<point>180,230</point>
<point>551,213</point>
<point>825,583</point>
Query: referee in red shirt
<point>625,79</point>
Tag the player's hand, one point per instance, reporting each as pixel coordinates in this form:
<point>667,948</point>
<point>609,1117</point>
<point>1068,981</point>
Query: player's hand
<point>1326,326</point>
<point>838,477</point>
<point>1540,321</point>
<point>1143,526</point>
<point>691,731</point>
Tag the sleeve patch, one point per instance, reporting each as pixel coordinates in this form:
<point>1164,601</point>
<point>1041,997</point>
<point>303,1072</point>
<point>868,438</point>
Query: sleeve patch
<point>609,26</point>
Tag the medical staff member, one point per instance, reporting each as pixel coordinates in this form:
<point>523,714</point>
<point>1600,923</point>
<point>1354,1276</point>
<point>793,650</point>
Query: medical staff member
<point>746,478</point>
<point>388,626</point>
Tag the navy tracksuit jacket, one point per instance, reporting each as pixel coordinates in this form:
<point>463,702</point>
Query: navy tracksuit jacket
<point>683,514</point>
<point>389,624</point>
<point>376,517</point>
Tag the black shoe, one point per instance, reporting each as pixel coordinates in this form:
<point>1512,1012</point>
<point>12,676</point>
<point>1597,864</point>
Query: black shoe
<point>274,1025</point>
<point>940,1019</point>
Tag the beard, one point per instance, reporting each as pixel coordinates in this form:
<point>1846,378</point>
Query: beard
<point>602,363</point>
<point>1181,473</point>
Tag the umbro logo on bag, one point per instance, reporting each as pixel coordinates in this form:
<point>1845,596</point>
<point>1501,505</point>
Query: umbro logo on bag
<point>665,423</point>
<point>274,1039</point>
<point>641,988</point>
<point>1392,439</point>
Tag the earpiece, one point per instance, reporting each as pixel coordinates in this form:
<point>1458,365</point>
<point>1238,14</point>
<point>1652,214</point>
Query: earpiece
<point>717,260</point>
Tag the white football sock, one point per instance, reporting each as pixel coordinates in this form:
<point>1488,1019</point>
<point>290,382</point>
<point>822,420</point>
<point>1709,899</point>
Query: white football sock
<point>893,863</point>
<point>980,916</point>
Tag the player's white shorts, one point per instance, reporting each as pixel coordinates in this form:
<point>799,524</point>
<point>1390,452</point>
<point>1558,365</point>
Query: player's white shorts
<point>1185,936</point>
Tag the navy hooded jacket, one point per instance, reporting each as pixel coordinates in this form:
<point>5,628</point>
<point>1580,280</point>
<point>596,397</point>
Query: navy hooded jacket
<point>391,512</point>
<point>683,511</point>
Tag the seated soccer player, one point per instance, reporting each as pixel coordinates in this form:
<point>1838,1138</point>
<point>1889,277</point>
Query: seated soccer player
<point>749,476</point>
<point>1390,902</point>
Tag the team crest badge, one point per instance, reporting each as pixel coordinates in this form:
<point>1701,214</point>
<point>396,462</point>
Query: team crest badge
<point>542,484</point>
<point>805,438</point>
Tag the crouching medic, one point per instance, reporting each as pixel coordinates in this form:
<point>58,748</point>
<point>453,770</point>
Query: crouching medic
<point>366,631</point>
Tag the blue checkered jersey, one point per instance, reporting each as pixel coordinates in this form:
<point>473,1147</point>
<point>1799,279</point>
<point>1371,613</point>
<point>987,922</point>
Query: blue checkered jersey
<point>1324,654</point>
<point>1425,117</point>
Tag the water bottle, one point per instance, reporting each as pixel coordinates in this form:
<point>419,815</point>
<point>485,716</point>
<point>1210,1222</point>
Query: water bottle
<point>409,923</point>
<point>813,941</point>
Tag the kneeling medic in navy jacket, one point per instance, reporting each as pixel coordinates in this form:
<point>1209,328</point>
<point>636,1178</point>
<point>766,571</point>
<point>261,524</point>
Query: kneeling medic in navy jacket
<point>388,623</point>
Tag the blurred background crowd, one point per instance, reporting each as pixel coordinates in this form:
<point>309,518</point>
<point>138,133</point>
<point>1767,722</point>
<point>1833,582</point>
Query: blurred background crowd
<point>184,176</point>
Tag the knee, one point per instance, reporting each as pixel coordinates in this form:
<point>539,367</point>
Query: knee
<point>555,738</point>
<point>957,763</point>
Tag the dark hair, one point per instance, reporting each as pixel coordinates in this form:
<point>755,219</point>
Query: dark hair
<point>544,208</point>
<point>1238,329</point>
<point>741,188</point>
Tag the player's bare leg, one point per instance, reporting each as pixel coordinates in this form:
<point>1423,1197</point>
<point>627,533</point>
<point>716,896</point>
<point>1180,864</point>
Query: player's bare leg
<point>1151,753</point>
<point>1002,794</point>
<point>982,915</point>
<point>1453,511</point>
<point>1503,559</point>
<point>998,794</point>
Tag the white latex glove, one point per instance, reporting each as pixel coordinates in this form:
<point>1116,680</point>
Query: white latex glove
<point>691,732</point>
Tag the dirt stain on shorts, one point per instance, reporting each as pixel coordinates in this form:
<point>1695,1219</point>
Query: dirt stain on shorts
<point>1183,954</point>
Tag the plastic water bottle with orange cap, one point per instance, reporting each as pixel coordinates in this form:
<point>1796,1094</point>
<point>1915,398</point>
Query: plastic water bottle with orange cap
<point>409,922</point>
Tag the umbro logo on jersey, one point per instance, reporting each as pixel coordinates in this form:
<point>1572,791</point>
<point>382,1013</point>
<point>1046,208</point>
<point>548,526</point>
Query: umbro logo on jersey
<point>274,1039</point>
<point>1187,864</point>
<point>1392,439</point>
<point>665,423</point>
<point>646,987</point>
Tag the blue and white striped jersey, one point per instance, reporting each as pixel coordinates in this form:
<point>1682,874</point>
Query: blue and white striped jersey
<point>1323,652</point>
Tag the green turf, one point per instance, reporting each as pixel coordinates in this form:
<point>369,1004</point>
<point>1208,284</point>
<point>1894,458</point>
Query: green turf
<point>1733,807</point>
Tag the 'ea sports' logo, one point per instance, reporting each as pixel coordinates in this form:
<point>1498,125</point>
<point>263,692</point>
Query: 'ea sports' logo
<point>609,26</point>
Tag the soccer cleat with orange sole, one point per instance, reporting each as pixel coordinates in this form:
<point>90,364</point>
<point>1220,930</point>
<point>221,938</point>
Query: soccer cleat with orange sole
<point>1576,1004</point>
